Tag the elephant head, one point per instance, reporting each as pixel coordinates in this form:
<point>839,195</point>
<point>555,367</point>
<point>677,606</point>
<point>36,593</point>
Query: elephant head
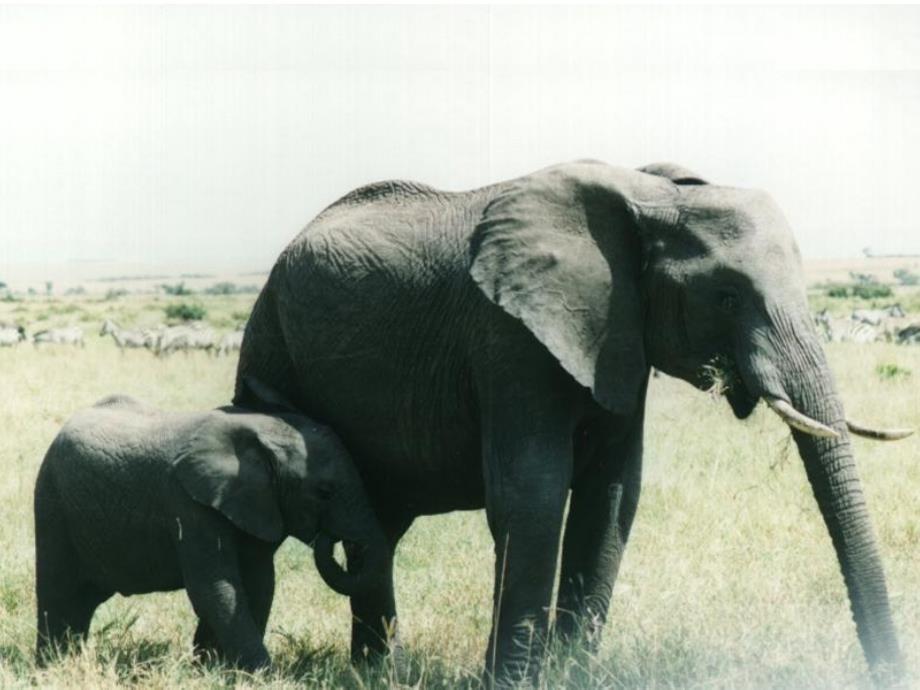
<point>617,270</point>
<point>280,474</point>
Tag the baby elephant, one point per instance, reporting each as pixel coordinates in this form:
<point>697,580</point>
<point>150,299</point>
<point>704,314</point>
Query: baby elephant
<point>132,499</point>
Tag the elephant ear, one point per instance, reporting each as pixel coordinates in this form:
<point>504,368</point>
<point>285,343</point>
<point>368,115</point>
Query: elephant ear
<point>227,465</point>
<point>562,250</point>
<point>676,173</point>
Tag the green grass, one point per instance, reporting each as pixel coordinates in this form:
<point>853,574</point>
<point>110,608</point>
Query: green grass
<point>889,370</point>
<point>729,580</point>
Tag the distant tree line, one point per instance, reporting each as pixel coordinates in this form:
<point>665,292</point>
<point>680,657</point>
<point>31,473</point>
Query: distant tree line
<point>221,288</point>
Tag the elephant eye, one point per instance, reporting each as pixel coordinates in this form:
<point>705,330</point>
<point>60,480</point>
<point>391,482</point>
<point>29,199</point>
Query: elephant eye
<point>728,302</point>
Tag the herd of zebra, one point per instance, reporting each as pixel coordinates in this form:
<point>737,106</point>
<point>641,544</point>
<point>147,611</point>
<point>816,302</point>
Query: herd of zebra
<point>160,340</point>
<point>890,324</point>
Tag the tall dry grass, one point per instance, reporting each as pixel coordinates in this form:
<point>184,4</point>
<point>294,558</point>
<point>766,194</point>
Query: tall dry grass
<point>729,580</point>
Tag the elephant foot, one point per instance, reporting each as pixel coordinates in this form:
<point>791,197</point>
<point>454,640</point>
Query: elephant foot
<point>512,676</point>
<point>372,650</point>
<point>577,633</point>
<point>205,648</point>
<point>520,660</point>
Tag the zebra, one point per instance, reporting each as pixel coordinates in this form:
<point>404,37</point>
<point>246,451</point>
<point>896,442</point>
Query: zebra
<point>171,339</point>
<point>185,338</point>
<point>202,338</point>
<point>230,342</point>
<point>909,335</point>
<point>125,338</point>
<point>72,335</point>
<point>875,317</point>
<point>10,336</point>
<point>836,330</point>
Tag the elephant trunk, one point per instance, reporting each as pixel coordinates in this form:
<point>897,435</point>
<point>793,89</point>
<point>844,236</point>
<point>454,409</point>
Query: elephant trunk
<point>353,522</point>
<point>809,402</point>
<point>347,582</point>
<point>831,470</point>
<point>329,569</point>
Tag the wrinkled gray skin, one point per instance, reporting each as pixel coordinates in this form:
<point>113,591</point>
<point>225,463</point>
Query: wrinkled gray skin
<point>131,499</point>
<point>492,348</point>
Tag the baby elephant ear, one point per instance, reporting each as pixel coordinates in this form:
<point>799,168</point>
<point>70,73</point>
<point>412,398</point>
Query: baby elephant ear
<point>227,466</point>
<point>562,251</point>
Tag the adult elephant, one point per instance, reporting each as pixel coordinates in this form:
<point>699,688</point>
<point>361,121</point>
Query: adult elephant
<point>492,348</point>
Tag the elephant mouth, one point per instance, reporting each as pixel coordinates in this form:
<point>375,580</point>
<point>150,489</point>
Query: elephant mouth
<point>720,377</point>
<point>741,401</point>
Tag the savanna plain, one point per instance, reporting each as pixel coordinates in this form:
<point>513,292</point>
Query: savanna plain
<point>729,580</point>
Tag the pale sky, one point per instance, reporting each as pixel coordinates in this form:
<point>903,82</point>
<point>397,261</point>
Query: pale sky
<point>211,135</point>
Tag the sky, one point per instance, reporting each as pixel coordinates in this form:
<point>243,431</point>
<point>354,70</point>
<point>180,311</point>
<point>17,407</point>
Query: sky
<point>211,135</point>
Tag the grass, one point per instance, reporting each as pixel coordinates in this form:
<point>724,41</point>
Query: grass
<point>223,311</point>
<point>729,580</point>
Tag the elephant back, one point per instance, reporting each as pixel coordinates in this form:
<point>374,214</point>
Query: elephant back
<point>392,191</point>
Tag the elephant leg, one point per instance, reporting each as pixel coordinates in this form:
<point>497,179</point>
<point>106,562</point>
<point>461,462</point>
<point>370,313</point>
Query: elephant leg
<point>525,504</point>
<point>64,603</point>
<point>257,566</point>
<point>205,645</point>
<point>64,618</point>
<point>210,563</point>
<point>373,623</point>
<point>601,511</point>
<point>528,412</point>
<point>257,572</point>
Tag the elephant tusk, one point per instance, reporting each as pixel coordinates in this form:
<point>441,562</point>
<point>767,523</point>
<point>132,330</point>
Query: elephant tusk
<point>878,434</point>
<point>799,421</point>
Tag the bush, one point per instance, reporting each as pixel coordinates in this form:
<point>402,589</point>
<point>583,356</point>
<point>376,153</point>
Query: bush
<point>871,291</point>
<point>859,290</point>
<point>114,293</point>
<point>228,288</point>
<point>906,277</point>
<point>185,312</point>
<point>178,289</point>
<point>862,278</point>
<point>224,288</point>
<point>889,372</point>
<point>69,308</point>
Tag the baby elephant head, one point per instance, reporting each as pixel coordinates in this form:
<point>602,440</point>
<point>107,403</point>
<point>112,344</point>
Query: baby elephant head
<point>274,475</point>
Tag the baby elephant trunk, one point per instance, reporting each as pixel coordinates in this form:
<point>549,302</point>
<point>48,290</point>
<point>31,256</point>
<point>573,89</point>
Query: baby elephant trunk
<point>371,558</point>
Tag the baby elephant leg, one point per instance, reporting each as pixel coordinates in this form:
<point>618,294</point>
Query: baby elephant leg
<point>257,568</point>
<point>64,603</point>
<point>204,644</point>
<point>64,617</point>
<point>214,583</point>
<point>258,576</point>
